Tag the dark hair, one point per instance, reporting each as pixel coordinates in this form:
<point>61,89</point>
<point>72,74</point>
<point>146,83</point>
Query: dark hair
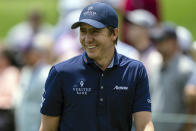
<point>111,31</point>
<point>11,55</point>
<point>164,32</point>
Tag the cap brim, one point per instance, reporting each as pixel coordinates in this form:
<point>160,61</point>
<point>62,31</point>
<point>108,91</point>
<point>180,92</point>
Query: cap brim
<point>90,22</point>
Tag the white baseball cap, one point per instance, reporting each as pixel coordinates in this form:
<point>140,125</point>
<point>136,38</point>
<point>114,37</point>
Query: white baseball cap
<point>184,37</point>
<point>141,17</point>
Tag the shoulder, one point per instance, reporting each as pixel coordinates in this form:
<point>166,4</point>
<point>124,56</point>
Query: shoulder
<point>134,68</point>
<point>127,50</point>
<point>69,64</point>
<point>186,64</point>
<point>126,61</point>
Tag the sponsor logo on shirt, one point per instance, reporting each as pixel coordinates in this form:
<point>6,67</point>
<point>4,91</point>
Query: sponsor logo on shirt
<point>81,83</point>
<point>81,90</point>
<point>120,87</point>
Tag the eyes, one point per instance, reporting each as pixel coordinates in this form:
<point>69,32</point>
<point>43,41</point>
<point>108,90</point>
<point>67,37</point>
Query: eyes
<point>96,31</point>
<point>90,31</point>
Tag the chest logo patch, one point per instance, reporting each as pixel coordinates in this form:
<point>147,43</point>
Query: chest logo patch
<point>81,83</point>
<point>81,90</point>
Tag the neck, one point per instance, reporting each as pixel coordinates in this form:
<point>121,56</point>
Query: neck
<point>105,60</point>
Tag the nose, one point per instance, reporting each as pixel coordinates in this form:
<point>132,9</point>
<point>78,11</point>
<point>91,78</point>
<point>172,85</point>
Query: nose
<point>88,37</point>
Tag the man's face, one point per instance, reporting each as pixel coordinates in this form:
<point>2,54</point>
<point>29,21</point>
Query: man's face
<point>137,36</point>
<point>166,47</point>
<point>96,42</point>
<point>32,57</point>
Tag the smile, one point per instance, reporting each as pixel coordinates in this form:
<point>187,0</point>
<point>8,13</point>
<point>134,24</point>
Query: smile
<point>91,47</point>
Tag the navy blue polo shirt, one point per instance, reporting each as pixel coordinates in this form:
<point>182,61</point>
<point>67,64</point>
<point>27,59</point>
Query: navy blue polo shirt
<point>89,99</point>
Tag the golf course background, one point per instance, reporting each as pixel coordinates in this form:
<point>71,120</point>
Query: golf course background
<point>15,11</point>
<point>181,12</point>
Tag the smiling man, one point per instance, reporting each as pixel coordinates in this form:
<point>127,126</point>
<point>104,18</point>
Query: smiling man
<point>98,44</point>
<point>99,90</point>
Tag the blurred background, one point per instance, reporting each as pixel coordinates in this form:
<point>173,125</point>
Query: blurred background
<point>36,34</point>
<point>14,11</point>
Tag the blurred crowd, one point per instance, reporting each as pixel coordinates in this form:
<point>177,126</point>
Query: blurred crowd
<point>167,50</point>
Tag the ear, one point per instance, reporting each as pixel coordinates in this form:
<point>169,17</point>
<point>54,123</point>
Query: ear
<point>115,34</point>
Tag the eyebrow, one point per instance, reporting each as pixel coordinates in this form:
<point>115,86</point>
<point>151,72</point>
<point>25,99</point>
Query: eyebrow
<point>91,29</point>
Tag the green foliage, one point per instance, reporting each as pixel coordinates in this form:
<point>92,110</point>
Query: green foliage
<point>15,11</point>
<point>181,12</point>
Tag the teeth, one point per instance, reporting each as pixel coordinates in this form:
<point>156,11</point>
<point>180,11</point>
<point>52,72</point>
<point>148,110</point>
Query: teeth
<point>90,47</point>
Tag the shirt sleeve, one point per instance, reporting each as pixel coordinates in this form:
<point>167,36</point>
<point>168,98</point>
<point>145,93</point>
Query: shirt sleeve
<point>142,100</point>
<point>52,99</point>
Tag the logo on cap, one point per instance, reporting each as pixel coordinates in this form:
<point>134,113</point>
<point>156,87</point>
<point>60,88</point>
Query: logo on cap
<point>90,8</point>
<point>89,11</point>
<point>98,15</point>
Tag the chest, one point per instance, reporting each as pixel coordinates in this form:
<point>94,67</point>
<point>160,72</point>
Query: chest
<point>99,88</point>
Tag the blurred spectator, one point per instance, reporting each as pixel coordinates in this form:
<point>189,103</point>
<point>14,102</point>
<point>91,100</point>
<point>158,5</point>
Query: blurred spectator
<point>9,80</point>
<point>185,39</point>
<point>118,5</point>
<point>190,92</point>
<point>32,82</point>
<point>148,5</point>
<point>168,80</point>
<point>193,51</point>
<point>45,43</point>
<point>140,24</point>
<point>127,50</point>
<point>190,98</point>
<point>67,6</point>
<point>152,6</point>
<point>67,42</point>
<point>23,33</point>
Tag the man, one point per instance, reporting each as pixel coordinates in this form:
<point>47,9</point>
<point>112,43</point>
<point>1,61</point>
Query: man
<point>190,92</point>
<point>152,6</point>
<point>32,80</point>
<point>9,80</point>
<point>169,79</point>
<point>141,22</point>
<point>28,29</point>
<point>99,90</point>
<point>190,99</point>
<point>185,40</point>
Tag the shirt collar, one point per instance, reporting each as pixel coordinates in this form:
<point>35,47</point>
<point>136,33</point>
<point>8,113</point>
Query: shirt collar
<point>114,62</point>
<point>111,64</point>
